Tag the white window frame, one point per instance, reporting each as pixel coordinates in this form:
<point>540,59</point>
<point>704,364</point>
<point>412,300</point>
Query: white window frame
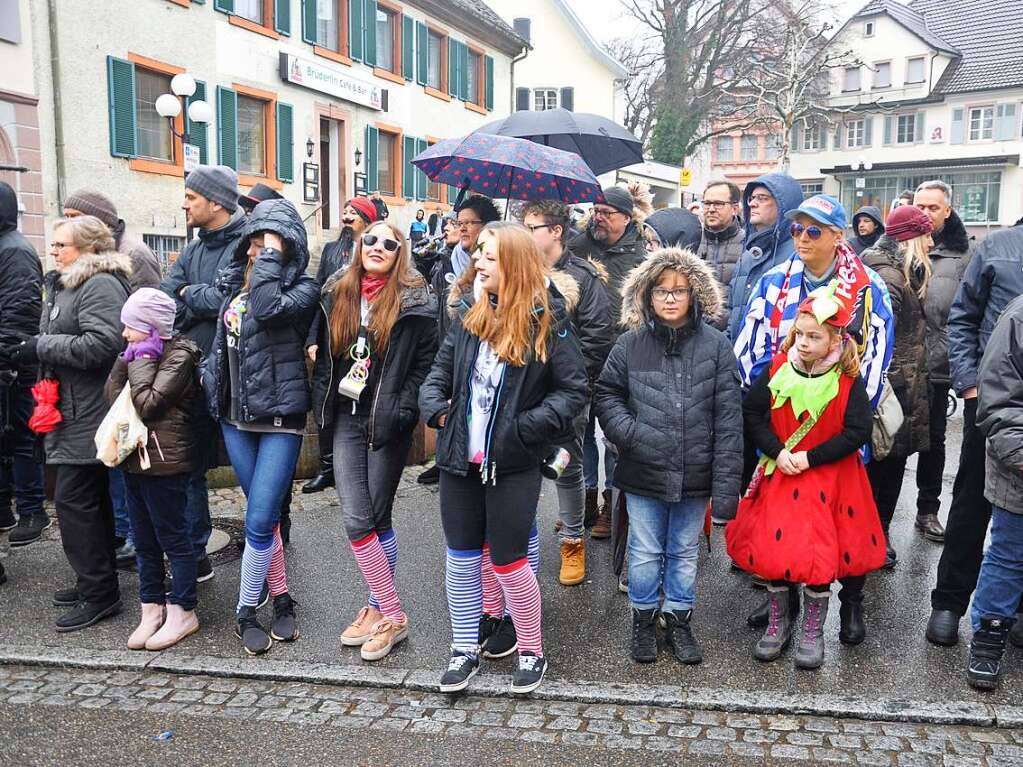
<point>744,142</point>
<point>875,84</point>
<point>717,149</point>
<point>981,108</point>
<point>923,70</point>
<point>856,134</point>
<point>912,117</point>
<point>868,28</point>
<point>547,94</point>
<point>810,138</point>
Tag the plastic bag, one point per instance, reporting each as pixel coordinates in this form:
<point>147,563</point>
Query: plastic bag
<point>121,433</point>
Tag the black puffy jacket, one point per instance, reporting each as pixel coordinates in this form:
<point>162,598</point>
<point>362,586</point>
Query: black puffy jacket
<point>582,284</point>
<point>669,399</point>
<point>21,283</point>
<point>282,299</point>
<point>618,259</point>
<point>535,404</point>
<point>394,401</point>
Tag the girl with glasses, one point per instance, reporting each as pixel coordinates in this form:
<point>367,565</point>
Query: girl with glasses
<point>379,325</point>
<point>506,385</point>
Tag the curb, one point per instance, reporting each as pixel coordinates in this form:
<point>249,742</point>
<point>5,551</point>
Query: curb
<point>497,685</point>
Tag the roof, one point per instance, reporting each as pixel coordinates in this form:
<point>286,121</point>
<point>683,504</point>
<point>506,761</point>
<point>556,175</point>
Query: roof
<point>477,17</point>
<point>982,38</point>
<point>596,48</point>
<point>957,162</point>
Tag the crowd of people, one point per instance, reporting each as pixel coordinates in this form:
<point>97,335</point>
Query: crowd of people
<point>762,368</point>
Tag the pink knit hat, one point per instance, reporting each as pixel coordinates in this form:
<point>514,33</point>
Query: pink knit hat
<point>149,308</point>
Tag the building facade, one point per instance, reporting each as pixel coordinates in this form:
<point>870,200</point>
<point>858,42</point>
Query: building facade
<point>934,97</point>
<point>319,99</point>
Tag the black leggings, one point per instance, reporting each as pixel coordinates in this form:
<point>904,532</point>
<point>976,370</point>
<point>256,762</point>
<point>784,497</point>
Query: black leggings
<point>500,514</point>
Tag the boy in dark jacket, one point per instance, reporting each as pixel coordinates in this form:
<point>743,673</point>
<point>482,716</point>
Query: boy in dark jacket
<point>160,368</point>
<point>668,398</point>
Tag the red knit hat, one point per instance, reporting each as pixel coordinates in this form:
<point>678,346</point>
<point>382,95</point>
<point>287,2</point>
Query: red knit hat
<point>365,208</point>
<point>826,307</point>
<point>907,222</point>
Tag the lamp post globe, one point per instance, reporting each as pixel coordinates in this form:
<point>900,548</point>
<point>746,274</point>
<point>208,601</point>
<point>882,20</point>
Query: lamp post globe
<point>183,84</point>
<point>200,112</point>
<point>168,105</point>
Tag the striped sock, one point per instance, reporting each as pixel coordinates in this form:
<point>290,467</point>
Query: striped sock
<point>533,550</point>
<point>372,561</point>
<point>276,577</point>
<point>522,594</point>
<point>389,542</point>
<point>493,597</point>
<point>255,566</point>
<point>465,598</point>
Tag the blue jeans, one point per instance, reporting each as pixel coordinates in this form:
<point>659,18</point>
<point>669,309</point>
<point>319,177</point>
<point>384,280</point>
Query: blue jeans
<point>21,476</point>
<point>265,465</point>
<point>664,550</point>
<point>1000,583</point>
<point>119,499</point>
<point>157,509</point>
<point>591,457</point>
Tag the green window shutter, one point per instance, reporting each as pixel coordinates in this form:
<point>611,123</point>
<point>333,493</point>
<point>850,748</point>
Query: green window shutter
<point>225,6</point>
<point>408,55</point>
<point>285,143</point>
<point>957,132</point>
<point>463,71</point>
<point>488,92</point>
<point>452,67</point>
<point>868,131</point>
<point>198,133</point>
<point>372,170</point>
<point>421,179</point>
<point>422,53</point>
<point>227,127</point>
<point>408,176</point>
<point>199,2</point>
<point>887,140</point>
<point>369,21</point>
<point>282,16</point>
<point>309,22</point>
<point>121,96</point>
<point>918,127</point>
<point>356,30</point>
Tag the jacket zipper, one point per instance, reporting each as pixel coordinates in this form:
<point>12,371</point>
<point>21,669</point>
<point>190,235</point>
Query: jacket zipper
<point>490,470</point>
<point>330,376</point>
<point>376,397</point>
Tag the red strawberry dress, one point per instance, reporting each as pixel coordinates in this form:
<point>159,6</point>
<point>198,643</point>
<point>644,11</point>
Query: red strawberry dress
<point>817,526</point>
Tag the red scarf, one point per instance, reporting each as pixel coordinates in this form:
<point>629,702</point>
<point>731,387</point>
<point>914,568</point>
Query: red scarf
<point>372,285</point>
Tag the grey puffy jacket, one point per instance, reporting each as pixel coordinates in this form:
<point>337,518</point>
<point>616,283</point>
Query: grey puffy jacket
<point>669,399</point>
<point>949,259</point>
<point>1000,410</point>
<point>80,337</point>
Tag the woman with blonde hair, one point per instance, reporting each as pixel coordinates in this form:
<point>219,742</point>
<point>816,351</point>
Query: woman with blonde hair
<point>79,340</point>
<point>379,326</point>
<point>507,383</point>
<point>901,258</point>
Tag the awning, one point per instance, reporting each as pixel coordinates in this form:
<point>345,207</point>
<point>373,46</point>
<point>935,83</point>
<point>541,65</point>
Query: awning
<point>958,162</point>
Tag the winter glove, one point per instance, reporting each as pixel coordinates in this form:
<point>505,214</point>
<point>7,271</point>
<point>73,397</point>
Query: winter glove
<point>149,348</point>
<point>25,352</point>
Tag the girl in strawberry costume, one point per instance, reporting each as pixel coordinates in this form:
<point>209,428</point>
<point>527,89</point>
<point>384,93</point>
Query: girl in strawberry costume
<point>809,515</point>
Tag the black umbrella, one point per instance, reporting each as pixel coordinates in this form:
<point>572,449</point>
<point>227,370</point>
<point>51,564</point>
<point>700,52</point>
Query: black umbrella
<point>603,144</point>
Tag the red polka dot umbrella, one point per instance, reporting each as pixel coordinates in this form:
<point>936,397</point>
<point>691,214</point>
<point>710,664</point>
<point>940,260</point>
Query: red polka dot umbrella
<point>513,168</point>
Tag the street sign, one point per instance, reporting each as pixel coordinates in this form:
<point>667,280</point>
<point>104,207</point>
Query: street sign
<point>861,183</point>
<point>685,177</point>
<point>191,158</point>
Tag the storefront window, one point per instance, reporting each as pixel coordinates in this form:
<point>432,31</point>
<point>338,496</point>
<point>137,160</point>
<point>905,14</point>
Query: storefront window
<point>975,196</point>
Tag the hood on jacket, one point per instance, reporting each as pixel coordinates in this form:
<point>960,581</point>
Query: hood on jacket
<point>705,298</point>
<point>567,286</point>
<point>217,237</point>
<point>8,208</point>
<point>873,213</point>
<point>787,195</point>
<point>953,235</point>
<point>677,228</point>
<point>90,264</point>
<point>281,218</point>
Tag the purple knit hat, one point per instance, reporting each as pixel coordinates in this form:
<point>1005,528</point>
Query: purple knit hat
<point>148,308</point>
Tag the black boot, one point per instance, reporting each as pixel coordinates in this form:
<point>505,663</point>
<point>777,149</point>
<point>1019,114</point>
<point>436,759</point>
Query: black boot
<point>644,636</point>
<point>679,636</point>
<point>986,652</point>
<point>590,515</point>
<point>852,631</point>
<point>759,617</point>
<point>324,479</point>
<point>429,477</point>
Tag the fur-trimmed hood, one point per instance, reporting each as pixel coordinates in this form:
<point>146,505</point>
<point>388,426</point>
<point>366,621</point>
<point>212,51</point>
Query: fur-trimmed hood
<point>705,297</point>
<point>952,237</point>
<point>90,264</point>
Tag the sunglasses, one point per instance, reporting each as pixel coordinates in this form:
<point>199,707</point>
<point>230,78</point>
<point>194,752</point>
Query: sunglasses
<point>813,232</point>
<point>369,240</point>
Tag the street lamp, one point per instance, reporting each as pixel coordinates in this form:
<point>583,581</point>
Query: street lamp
<point>170,105</point>
<point>862,164</point>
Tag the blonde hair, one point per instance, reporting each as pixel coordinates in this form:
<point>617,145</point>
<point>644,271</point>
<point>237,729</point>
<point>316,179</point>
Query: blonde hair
<point>519,327</point>
<point>848,360</point>
<point>88,233</point>
<point>346,314</point>
<point>916,261</point>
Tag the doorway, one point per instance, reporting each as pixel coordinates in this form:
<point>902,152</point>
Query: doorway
<point>332,133</point>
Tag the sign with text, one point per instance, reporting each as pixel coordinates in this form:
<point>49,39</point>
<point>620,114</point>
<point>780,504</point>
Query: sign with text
<point>191,157</point>
<point>326,79</point>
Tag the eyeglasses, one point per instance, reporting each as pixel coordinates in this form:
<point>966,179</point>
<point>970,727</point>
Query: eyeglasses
<point>467,224</point>
<point>534,227</point>
<point>59,245</point>
<point>717,203</point>
<point>661,294</point>
<point>369,240</point>
<point>605,212</point>
<point>813,232</point>
<point>759,199</point>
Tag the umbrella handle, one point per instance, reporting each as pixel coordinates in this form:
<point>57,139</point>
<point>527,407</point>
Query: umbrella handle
<point>462,191</point>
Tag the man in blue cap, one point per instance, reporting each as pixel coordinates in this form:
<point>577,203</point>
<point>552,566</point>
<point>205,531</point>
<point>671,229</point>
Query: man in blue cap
<point>821,255</point>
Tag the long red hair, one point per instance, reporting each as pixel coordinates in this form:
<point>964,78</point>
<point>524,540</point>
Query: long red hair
<point>519,327</point>
<point>346,314</point>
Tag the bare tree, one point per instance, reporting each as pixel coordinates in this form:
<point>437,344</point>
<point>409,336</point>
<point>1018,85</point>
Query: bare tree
<point>645,64</point>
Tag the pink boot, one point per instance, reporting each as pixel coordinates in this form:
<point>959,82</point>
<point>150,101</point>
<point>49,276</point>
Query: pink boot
<point>179,624</point>
<point>152,619</point>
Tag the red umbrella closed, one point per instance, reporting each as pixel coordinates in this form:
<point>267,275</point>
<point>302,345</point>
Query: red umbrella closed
<point>45,416</point>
